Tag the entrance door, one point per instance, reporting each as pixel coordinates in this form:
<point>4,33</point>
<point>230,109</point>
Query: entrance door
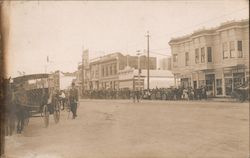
<point>228,86</point>
<point>195,84</point>
<point>185,82</point>
<point>210,84</point>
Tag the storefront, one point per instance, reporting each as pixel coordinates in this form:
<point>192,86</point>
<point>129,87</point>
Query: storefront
<point>219,82</point>
<point>234,77</point>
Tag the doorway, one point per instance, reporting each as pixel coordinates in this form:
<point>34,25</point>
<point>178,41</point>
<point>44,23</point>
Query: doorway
<point>210,84</point>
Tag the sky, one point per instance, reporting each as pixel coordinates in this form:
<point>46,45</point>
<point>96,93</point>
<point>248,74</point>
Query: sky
<point>62,29</point>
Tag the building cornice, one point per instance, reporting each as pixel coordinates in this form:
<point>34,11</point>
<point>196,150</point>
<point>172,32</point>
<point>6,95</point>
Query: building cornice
<point>212,31</point>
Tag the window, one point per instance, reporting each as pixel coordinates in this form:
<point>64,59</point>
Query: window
<point>115,72</point>
<point>225,50</point>
<point>103,71</point>
<point>232,50</point>
<point>96,73</point>
<point>240,53</point>
<point>209,54</point>
<point>196,55</point>
<point>175,57</point>
<point>111,71</point>
<point>202,55</point>
<point>186,59</point>
<point>107,71</point>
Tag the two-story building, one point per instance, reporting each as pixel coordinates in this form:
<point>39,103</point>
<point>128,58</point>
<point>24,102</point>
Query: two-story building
<point>104,70</point>
<point>217,58</point>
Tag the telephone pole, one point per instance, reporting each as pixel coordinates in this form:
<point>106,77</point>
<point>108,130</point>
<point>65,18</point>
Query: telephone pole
<point>148,60</point>
<point>82,73</point>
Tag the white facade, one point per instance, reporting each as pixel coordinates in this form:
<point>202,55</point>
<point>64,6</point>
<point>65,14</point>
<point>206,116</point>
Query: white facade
<point>65,81</point>
<point>217,58</point>
<point>130,79</point>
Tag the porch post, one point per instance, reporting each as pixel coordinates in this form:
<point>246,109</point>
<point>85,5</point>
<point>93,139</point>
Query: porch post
<point>223,83</point>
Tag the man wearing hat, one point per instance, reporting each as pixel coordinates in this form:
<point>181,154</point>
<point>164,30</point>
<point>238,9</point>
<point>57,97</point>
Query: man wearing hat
<point>73,99</point>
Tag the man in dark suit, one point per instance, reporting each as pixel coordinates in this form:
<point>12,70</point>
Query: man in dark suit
<point>73,98</point>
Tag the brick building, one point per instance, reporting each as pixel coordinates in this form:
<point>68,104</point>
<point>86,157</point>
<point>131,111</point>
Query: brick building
<point>103,71</point>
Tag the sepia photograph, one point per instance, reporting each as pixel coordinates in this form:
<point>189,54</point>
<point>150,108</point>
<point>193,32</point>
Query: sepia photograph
<point>124,79</point>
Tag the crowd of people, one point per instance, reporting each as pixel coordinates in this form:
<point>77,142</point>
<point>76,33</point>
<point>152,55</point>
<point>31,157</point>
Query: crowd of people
<point>152,94</point>
<point>68,99</point>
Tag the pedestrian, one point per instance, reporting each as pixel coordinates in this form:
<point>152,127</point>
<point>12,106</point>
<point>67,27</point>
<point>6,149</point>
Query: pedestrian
<point>204,92</point>
<point>62,99</point>
<point>73,98</point>
<point>138,96</point>
<point>20,101</point>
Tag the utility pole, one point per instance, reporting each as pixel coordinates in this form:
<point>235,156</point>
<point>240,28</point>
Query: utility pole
<point>139,71</point>
<point>82,74</point>
<point>148,60</point>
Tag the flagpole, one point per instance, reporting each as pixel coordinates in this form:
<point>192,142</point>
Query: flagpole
<point>46,65</point>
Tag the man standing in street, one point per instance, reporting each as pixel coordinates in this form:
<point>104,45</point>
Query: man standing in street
<point>73,98</point>
<point>62,99</point>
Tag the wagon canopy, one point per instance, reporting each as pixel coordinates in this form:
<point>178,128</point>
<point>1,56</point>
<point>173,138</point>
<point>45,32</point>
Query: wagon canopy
<point>29,77</point>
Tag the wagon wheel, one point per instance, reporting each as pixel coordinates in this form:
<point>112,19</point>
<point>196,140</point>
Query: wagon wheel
<point>45,115</point>
<point>57,111</point>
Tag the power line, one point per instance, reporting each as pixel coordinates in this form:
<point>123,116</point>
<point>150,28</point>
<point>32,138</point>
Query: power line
<point>160,54</point>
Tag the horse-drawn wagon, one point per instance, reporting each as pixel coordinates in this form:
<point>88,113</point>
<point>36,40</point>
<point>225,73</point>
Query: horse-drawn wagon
<point>35,96</point>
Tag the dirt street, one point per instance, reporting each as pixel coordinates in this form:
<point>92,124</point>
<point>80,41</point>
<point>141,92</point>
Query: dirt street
<point>150,129</point>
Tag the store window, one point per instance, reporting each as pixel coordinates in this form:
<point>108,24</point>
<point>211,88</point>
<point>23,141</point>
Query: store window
<point>240,53</point>
<point>197,55</point>
<point>218,86</point>
<point>225,50</point>
<point>209,54</point>
<point>232,50</point>
<point>239,79</point>
<point>202,55</point>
